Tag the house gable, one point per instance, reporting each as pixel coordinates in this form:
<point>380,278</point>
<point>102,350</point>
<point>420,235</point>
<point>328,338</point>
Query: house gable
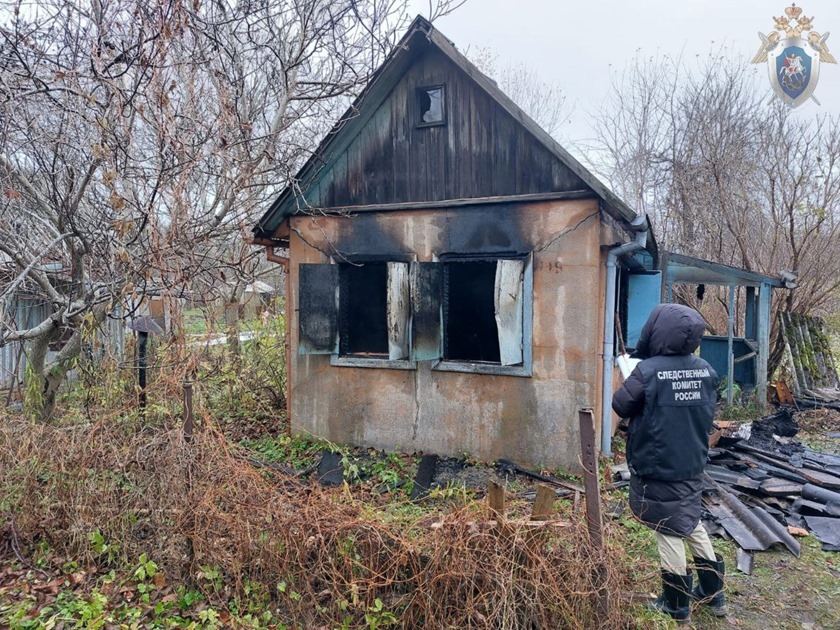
<point>381,154</point>
<point>480,150</point>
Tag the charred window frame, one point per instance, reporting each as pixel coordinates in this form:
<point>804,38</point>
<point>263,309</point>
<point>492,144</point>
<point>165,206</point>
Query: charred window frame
<point>358,312</point>
<point>461,313</point>
<point>487,313</point>
<point>431,105</point>
<point>362,310</point>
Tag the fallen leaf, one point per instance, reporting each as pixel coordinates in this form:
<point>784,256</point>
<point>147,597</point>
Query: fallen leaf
<point>52,587</point>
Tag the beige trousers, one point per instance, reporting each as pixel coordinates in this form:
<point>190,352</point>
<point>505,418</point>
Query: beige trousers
<point>672,550</point>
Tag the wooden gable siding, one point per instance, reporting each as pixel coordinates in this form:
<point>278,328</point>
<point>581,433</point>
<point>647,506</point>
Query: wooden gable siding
<point>482,151</point>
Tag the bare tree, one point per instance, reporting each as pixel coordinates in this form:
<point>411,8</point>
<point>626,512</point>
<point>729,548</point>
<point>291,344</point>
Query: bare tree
<point>68,97</point>
<point>140,140</point>
<point>542,100</point>
<point>728,174</point>
<point>714,162</point>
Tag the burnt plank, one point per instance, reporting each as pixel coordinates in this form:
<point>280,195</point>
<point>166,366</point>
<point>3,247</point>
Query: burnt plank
<point>460,172</point>
<point>400,142</point>
<point>426,286</point>
<point>330,470</point>
<point>425,475</point>
<point>318,313</point>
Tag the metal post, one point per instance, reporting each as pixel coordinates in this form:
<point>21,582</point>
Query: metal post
<point>592,487</point>
<point>730,355</point>
<point>188,411</point>
<point>142,339</point>
<point>763,335</point>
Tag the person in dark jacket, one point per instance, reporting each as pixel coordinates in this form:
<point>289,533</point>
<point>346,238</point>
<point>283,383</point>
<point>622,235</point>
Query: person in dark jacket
<point>670,400</point>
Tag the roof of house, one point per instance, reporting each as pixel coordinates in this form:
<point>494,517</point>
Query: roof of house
<point>421,33</point>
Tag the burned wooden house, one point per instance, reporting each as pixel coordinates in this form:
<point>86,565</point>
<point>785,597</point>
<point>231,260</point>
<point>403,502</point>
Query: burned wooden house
<point>452,270</point>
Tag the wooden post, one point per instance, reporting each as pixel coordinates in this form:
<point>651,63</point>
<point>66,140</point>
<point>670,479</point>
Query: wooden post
<point>543,503</point>
<point>594,522</point>
<point>496,497</point>
<point>142,340</point>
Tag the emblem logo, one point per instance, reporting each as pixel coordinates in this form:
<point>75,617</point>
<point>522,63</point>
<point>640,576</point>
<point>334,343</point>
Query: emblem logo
<point>793,61</point>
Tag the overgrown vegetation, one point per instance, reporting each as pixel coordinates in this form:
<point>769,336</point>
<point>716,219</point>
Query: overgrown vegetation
<point>110,517</point>
<point>113,517</point>
<point>116,497</point>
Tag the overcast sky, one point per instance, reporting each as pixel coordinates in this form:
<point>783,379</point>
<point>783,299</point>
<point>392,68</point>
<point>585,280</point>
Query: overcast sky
<point>578,45</point>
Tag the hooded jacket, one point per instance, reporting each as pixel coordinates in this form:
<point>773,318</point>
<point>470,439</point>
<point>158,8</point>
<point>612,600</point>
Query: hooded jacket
<point>670,399</point>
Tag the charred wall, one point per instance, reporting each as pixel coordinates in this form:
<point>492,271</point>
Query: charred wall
<point>528,419</point>
<point>480,150</point>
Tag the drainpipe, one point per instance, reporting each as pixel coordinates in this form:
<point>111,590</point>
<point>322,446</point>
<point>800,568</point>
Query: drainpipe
<point>639,226</point>
<point>284,261</point>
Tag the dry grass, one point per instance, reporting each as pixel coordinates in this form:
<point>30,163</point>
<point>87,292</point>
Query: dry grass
<point>197,504</point>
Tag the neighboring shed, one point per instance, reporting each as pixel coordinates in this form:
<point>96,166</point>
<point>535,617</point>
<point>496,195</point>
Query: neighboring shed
<point>745,356</point>
<point>452,271</point>
<point>24,310</point>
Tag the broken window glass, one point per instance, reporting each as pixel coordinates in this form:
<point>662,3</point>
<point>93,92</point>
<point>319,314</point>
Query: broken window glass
<point>359,310</point>
<point>432,110</point>
<point>363,309</point>
<point>483,311</point>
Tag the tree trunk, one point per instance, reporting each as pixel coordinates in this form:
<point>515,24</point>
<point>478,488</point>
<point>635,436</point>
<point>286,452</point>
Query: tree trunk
<point>41,405</point>
<point>52,374</point>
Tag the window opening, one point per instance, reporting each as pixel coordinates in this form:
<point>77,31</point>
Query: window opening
<point>470,330</point>
<point>364,323</point>
<point>431,106</point>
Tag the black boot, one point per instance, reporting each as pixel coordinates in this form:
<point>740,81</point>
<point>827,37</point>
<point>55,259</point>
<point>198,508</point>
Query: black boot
<point>676,596</point>
<point>709,589</point>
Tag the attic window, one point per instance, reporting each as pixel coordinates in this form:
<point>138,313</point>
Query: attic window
<point>431,106</point>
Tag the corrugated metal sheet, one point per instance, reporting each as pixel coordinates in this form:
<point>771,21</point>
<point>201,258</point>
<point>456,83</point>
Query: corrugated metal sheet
<point>752,528</point>
<point>796,487</point>
<point>29,312</point>
<point>9,364</point>
<point>808,352</point>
